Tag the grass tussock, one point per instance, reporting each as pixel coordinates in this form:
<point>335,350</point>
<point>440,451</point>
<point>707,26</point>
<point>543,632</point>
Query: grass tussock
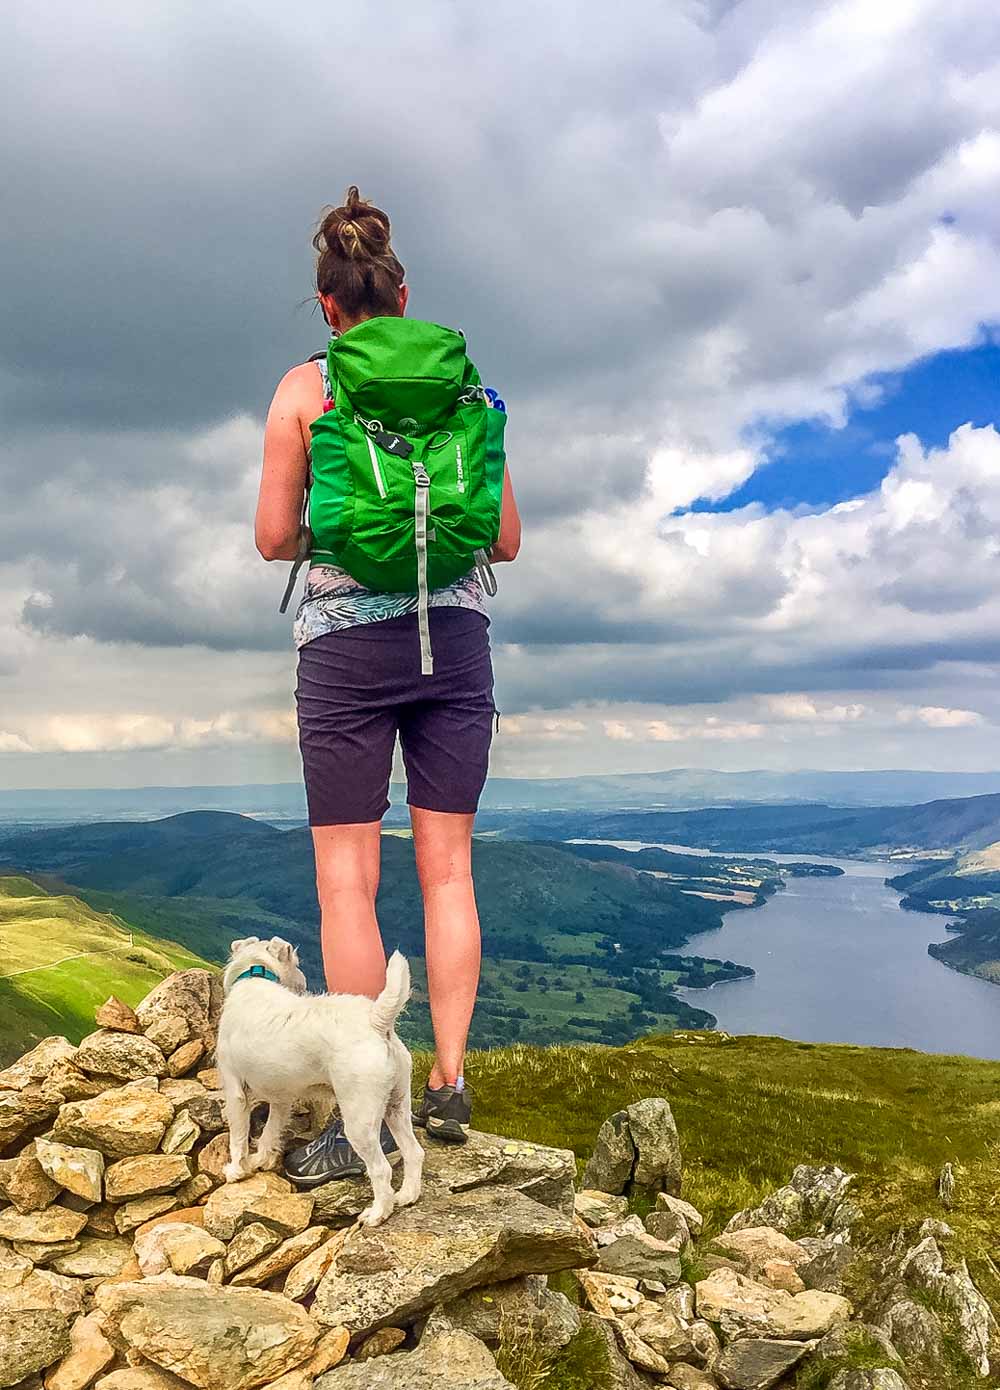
<point>581,1365</point>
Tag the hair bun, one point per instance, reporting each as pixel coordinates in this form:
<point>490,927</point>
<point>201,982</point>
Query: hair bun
<point>356,230</point>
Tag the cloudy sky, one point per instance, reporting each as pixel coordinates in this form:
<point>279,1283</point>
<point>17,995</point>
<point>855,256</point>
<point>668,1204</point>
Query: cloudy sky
<point>735,268</point>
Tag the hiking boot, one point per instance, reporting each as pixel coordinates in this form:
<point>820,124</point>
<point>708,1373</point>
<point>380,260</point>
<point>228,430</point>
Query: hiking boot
<point>331,1156</point>
<point>445,1113</point>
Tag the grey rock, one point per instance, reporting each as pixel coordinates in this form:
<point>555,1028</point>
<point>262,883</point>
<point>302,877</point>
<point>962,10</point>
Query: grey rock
<point>216,1338</point>
<point>976,1327</point>
<point>30,1340</point>
<point>657,1144</point>
<point>448,1357</point>
<point>784,1210</point>
<point>827,1269</point>
<point>545,1174</point>
<point>669,1226</point>
<point>612,1162</point>
<point>125,1056</point>
<point>622,1375</point>
<point>914,1330</point>
<point>431,1253</point>
<point>757,1364</point>
<point>641,1257</point>
<point>35,1066</point>
<point>823,1189</point>
<point>880,1379</point>
<point>607,1235</point>
<point>526,1303</point>
<point>842,1341</point>
<point>684,1377</point>
<point>600,1208</point>
<point>814,1196</point>
<point>23,1112</point>
<point>661,1329</point>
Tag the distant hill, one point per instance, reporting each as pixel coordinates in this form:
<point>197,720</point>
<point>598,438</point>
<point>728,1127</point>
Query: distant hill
<point>967,889</point>
<point>964,823</point>
<point>60,959</point>
<point>573,949</point>
<point>283,803</point>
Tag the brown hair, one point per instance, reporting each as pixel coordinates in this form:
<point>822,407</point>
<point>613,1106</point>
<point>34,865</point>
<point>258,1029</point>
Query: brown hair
<point>355,262</point>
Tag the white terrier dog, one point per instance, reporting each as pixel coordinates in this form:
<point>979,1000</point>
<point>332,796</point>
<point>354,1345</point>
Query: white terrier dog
<point>276,1043</point>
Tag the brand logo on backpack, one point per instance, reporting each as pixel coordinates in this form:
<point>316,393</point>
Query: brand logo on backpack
<point>393,444</point>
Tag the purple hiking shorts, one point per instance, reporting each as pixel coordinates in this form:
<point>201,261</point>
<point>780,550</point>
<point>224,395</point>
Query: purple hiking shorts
<point>358,687</point>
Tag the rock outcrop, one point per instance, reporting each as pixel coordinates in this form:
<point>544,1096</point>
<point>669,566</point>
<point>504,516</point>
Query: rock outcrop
<point>128,1263</point>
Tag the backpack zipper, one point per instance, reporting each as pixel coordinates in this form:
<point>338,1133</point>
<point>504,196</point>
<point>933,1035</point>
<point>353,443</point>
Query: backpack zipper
<point>459,471</point>
<point>376,469</point>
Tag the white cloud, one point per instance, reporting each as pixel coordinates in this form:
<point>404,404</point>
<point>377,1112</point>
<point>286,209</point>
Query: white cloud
<point>936,717</point>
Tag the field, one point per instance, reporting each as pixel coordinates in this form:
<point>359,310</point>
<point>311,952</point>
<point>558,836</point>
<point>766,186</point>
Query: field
<point>60,959</point>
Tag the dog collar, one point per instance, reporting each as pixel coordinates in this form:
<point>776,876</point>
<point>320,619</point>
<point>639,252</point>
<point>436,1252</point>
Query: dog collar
<point>257,972</point>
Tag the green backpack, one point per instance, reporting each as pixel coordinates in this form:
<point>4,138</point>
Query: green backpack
<point>407,469</point>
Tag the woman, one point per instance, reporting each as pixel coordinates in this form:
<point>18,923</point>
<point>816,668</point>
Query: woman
<point>359,685</point>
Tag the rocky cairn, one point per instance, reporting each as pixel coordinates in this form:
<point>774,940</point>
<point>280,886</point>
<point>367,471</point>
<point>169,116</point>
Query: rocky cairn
<point>127,1263</point>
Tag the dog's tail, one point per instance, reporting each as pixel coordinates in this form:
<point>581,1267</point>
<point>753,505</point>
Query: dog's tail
<point>390,1003</point>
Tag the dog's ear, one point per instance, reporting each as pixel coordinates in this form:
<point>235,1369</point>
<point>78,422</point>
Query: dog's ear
<point>237,947</point>
<point>283,950</point>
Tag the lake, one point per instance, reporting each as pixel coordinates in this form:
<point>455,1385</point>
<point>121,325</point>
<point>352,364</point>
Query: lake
<point>838,960</point>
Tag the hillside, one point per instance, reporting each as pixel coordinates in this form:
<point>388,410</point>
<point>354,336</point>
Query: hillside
<point>575,949</point>
<point>966,888</point>
<point>965,823</point>
<point>60,959</point>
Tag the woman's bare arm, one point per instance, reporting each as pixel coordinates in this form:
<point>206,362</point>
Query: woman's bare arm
<point>509,542</point>
<point>286,464</point>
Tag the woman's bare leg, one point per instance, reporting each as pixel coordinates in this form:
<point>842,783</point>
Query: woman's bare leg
<point>443,845</point>
<point>347,872</point>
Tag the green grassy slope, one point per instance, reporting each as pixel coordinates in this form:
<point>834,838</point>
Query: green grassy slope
<point>749,1109</point>
<point>60,959</point>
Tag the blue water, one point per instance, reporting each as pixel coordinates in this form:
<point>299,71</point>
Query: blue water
<point>838,960</point>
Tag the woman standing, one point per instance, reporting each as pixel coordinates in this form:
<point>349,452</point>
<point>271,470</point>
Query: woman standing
<point>375,663</point>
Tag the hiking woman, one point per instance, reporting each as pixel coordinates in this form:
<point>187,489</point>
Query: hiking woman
<point>384,656</point>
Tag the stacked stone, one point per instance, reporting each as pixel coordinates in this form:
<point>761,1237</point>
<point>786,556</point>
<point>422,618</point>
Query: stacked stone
<point>127,1263</point>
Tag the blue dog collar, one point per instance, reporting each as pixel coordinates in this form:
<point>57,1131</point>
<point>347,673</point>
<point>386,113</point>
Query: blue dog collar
<point>257,972</point>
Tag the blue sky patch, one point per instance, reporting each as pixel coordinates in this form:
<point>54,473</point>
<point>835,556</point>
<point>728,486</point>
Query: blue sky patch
<point>813,465</point>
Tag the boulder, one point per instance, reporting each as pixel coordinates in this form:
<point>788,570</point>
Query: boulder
<point>658,1149</point>
<point>145,1175</point>
<point>248,1245</point>
<point>621,1374</point>
<point>130,1215</point>
<point>754,1246</point>
<point>35,1066</point>
<point>67,1082</point>
<point>744,1308</point>
<point>53,1225</point>
<point>119,1123</point>
<point>27,1184</point>
<point>42,1289</point>
<point>756,1363</point>
<point>660,1328</point>
<point>185,1005</point>
<point>94,1259</point>
<point>22,1111</point>
<point>177,1246</point>
<point>826,1269</point>
<point>914,1330</point>
<point>693,1219</point>
<point>976,1329</point>
<point>780,1274</point>
<point>487,1160</point>
<point>305,1276</point>
<point>600,1208</point>
<point>526,1304</point>
<point>182,1134</point>
<point>612,1162</point>
<point>30,1339</point>
<point>668,1226</point>
<point>216,1338</point>
<point>208,1111</point>
<point>685,1377</point>
<point>89,1354</point>
<point>226,1208</point>
<point>213,1157</point>
<point>141,1378</point>
<point>14,1269</point>
<point>609,1294</point>
<point>850,1338</point>
<point>80,1171</point>
<point>117,1016</point>
<point>188,1055</point>
<point>449,1358</point>
<point>607,1235</point>
<point>642,1256</point>
<point>285,1213</point>
<point>282,1258</point>
<point>380,1343</point>
<point>430,1253</point>
<point>125,1056</point>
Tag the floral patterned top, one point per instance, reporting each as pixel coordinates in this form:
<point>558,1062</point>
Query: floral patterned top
<point>332,600</point>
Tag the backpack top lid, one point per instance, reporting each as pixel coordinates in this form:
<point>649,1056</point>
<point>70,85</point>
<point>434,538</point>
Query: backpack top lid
<point>395,369</point>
